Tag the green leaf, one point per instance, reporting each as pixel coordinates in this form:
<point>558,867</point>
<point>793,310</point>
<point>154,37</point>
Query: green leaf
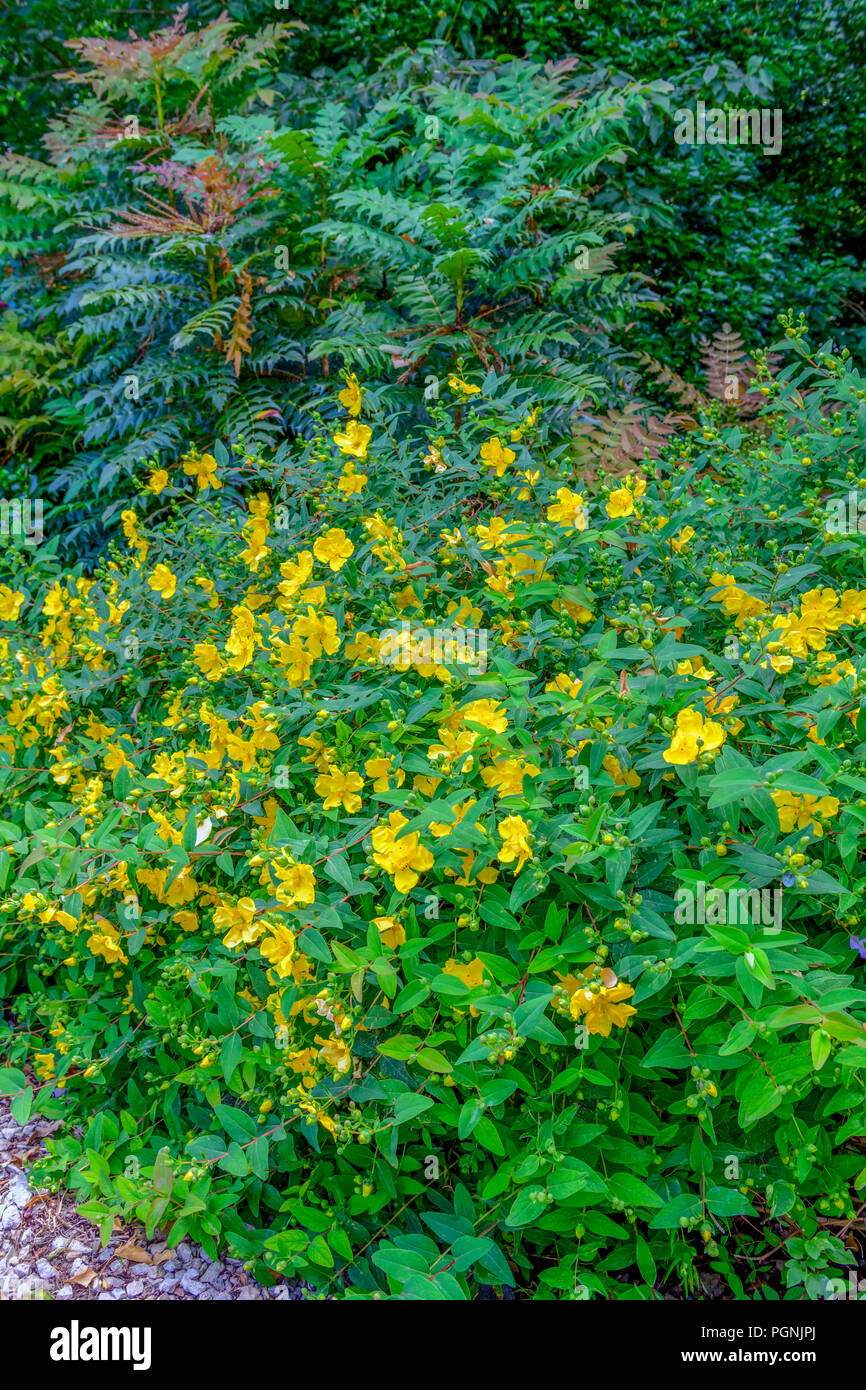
<point>408,1106</point>
<point>312,943</point>
<point>821,1045</point>
<point>741,1036</point>
<point>234,1161</point>
<point>645,1262</point>
<point>411,996</point>
<point>433,1060</point>
<point>11,1080</point>
<point>257,1157</point>
<point>401,1046</point>
<point>728,1201</point>
<point>230,1055</point>
<point>335,867</point>
<point>633,1191</point>
<point>572,1176</point>
<point>21,1106</point>
<point>669,1217</point>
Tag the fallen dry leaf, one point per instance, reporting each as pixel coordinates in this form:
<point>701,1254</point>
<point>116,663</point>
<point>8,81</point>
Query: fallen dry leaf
<point>136,1253</point>
<point>85,1278</point>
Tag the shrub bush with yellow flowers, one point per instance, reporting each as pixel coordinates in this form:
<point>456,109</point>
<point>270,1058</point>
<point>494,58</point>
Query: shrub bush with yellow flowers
<point>422,869</point>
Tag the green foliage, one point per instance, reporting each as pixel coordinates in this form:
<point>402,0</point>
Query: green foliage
<point>217,268</point>
<point>229,213</point>
<point>405,972</point>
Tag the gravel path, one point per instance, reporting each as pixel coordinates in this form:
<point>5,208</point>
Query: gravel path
<point>48,1251</point>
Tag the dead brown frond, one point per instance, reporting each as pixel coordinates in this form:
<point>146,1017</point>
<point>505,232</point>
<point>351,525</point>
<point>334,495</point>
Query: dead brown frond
<point>242,327</point>
<point>621,439</point>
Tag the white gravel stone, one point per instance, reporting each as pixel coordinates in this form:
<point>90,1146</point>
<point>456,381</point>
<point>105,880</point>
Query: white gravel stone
<point>19,1193</point>
<point>191,1285</point>
<point>190,1273</point>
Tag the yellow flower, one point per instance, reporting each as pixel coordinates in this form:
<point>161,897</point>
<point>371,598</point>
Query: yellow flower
<point>565,684</point>
<point>237,920</point>
<point>333,548</point>
<point>735,600</point>
<point>337,1055</point>
<point>187,921</point>
<point>693,735</point>
<point>162,581</point>
<point>391,931</point>
<point>319,754</point>
<point>620,503</point>
<point>354,439</point>
<point>340,788</point>
<point>487,712</point>
<point>694,666</point>
<point>514,833</point>
<point>803,811</point>
<point>351,482</point>
<point>507,775</point>
<point>380,769</point>
<point>440,828</point>
<point>470,972</point>
<point>279,949</point>
<point>207,658</point>
<point>614,768</point>
<point>852,607</point>
<point>43,1063</point>
<point>682,538</point>
<point>158,481</point>
<point>241,641</point>
<point>569,511</point>
<point>317,634</point>
<point>351,396</point>
<point>106,943</point>
<point>203,469</point>
<point>463,388</point>
<point>297,884</point>
<point>453,749</point>
<point>405,859</point>
<point>497,455</point>
<point>10,603</point>
<point>601,1006</point>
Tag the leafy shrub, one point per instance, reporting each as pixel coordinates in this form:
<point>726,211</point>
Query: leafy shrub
<point>217,266</point>
<point>410,966</point>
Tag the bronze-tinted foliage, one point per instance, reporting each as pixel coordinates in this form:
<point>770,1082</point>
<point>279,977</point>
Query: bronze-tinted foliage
<point>213,191</point>
<point>117,65</point>
<point>624,437</point>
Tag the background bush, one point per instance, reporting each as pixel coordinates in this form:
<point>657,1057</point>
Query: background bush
<point>332,204</point>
